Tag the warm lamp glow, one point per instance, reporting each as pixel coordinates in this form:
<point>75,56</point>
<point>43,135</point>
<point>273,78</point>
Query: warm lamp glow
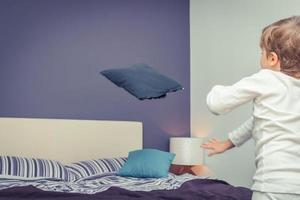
<point>174,128</point>
<point>201,127</point>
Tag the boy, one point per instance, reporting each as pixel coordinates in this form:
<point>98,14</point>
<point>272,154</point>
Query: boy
<point>275,124</point>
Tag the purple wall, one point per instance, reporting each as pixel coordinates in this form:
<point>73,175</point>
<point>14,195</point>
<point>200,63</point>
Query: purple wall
<point>51,53</point>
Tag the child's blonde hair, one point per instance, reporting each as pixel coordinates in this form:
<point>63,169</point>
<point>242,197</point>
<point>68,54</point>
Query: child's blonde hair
<point>283,38</point>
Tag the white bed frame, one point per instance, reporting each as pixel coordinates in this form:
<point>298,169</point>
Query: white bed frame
<point>68,140</point>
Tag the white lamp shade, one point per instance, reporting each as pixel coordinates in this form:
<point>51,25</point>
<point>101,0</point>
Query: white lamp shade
<point>187,150</point>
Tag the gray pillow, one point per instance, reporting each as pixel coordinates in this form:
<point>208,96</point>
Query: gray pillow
<point>142,81</point>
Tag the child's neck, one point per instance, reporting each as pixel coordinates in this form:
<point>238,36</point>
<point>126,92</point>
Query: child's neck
<point>293,74</point>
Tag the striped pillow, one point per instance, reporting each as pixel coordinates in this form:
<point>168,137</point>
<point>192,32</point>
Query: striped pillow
<point>32,168</point>
<point>84,169</point>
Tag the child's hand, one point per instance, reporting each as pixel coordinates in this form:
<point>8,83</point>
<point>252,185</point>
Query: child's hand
<point>216,146</point>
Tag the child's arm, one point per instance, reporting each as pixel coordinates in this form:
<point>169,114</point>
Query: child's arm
<point>243,133</point>
<point>236,138</point>
<point>222,99</point>
<point>215,146</point>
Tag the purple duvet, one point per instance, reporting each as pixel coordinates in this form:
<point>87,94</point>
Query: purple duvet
<point>200,189</point>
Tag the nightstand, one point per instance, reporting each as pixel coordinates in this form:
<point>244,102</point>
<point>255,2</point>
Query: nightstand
<point>197,170</point>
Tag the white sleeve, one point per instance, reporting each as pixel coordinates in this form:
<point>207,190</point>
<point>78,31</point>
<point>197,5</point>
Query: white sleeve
<point>243,133</point>
<point>222,99</point>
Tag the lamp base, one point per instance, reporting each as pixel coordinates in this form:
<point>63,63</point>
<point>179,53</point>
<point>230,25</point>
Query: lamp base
<point>197,170</point>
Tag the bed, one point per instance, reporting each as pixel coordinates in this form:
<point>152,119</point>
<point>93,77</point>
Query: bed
<point>86,142</point>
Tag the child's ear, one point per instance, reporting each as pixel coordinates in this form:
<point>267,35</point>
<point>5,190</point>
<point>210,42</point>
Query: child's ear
<point>273,57</point>
<point>274,60</point>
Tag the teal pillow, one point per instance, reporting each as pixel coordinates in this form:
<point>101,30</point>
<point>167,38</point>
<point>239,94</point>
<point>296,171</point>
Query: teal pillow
<point>147,163</point>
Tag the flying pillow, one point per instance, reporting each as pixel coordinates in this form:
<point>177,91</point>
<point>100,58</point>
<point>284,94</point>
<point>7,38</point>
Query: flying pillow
<point>142,81</point>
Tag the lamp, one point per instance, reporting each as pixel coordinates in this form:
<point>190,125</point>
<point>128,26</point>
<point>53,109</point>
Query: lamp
<point>187,150</point>
<point>188,156</point>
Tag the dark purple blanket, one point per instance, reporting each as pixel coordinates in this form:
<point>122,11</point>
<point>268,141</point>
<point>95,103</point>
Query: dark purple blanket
<point>200,189</point>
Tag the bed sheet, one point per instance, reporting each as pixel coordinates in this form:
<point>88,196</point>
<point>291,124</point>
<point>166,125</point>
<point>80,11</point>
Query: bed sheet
<point>103,182</point>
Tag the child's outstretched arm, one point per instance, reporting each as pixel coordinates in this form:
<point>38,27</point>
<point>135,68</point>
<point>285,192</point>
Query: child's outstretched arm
<point>215,146</point>
<point>222,99</point>
<point>236,138</point>
<point>243,133</point>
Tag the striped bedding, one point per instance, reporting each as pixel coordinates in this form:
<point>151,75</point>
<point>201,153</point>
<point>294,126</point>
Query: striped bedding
<point>103,182</point>
<point>33,168</point>
<point>89,168</point>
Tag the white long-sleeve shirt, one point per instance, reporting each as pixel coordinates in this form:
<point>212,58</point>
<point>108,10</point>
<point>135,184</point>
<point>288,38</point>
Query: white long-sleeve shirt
<point>276,126</point>
<point>243,133</point>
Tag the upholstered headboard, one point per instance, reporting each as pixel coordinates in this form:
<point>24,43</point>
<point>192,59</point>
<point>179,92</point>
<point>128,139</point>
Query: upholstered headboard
<point>68,140</point>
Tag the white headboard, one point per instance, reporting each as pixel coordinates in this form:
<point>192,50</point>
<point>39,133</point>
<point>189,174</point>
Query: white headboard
<point>68,140</point>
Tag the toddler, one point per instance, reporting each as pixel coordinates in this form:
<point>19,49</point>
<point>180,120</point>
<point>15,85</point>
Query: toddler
<point>275,123</point>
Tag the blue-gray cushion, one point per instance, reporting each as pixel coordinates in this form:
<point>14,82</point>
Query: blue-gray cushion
<point>142,81</point>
